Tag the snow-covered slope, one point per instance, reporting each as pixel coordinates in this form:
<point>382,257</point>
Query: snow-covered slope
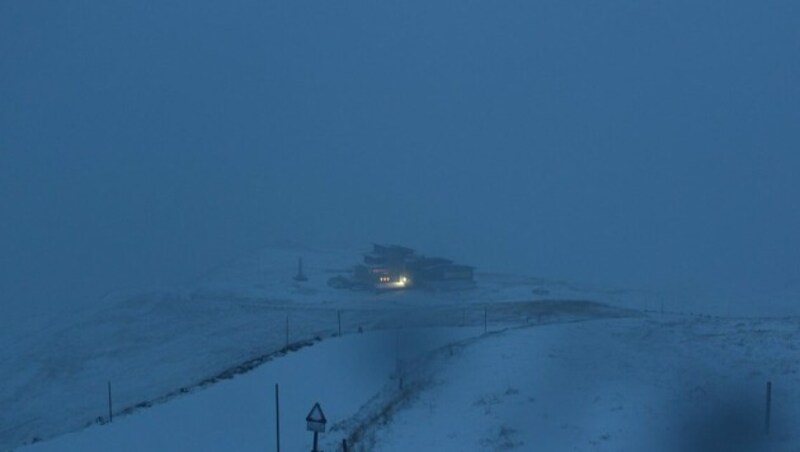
<point>239,414</point>
<point>657,384</point>
<point>660,383</point>
<point>155,345</point>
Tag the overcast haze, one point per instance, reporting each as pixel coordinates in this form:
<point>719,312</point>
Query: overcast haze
<point>633,143</point>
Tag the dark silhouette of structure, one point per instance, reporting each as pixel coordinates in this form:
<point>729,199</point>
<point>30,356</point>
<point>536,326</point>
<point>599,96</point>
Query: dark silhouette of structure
<point>300,276</point>
<point>389,267</point>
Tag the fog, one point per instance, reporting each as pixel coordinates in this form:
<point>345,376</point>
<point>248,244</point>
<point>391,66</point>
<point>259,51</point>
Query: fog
<point>629,143</point>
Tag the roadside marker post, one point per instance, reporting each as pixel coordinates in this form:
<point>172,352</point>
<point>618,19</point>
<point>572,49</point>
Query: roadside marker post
<point>110,410</point>
<point>287,332</point>
<point>277,420</point>
<point>768,413</point>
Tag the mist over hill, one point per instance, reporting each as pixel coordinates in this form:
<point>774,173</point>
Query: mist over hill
<point>631,144</point>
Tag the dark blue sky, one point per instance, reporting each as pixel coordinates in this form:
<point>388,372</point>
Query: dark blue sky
<point>640,143</point>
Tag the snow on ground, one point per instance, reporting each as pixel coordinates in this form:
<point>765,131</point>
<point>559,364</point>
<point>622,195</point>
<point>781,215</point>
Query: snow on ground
<point>661,383</point>
<point>657,384</point>
<point>153,346</point>
<point>152,351</point>
<point>239,414</point>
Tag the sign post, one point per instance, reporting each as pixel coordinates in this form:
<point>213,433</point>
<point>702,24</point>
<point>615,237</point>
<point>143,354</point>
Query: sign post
<point>315,422</point>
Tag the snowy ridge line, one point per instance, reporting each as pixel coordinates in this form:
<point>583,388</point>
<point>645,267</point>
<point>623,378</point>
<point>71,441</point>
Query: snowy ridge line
<point>252,363</point>
<point>701,315</point>
<point>227,374</point>
<point>359,430</point>
<point>577,287</point>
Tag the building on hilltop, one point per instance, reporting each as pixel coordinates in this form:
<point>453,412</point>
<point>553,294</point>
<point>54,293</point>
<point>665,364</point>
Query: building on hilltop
<point>389,267</point>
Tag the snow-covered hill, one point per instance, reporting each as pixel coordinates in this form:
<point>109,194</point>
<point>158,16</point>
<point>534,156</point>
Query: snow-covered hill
<point>153,346</point>
<point>660,383</point>
<point>239,414</point>
<point>665,383</point>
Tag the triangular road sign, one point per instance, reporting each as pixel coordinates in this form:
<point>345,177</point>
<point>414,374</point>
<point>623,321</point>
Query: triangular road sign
<point>315,421</point>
